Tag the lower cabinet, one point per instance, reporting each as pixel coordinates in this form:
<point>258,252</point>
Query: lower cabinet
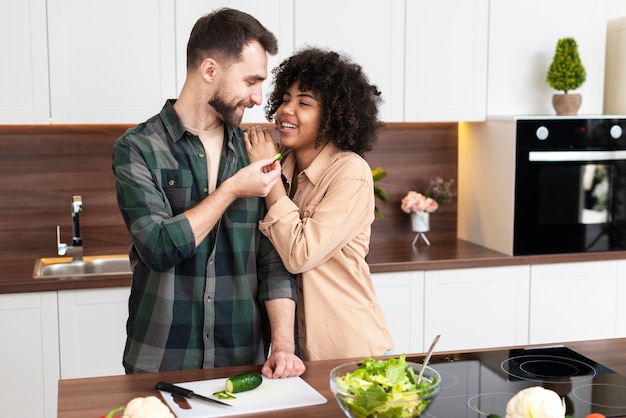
<point>401,296</point>
<point>506,305</point>
<point>29,360</point>
<point>577,301</point>
<point>49,336</point>
<point>469,308</point>
<point>477,307</point>
<point>92,331</point>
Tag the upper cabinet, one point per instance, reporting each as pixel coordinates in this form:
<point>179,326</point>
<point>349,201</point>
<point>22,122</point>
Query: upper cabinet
<point>446,60</point>
<point>522,40</point>
<point>24,75</point>
<point>411,50</point>
<point>110,61</point>
<point>372,36</point>
<point>434,61</point>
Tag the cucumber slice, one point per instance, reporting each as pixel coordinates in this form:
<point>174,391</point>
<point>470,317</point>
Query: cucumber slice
<point>243,382</point>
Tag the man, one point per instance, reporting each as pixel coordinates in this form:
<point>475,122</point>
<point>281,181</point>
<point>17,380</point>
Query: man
<point>203,275</point>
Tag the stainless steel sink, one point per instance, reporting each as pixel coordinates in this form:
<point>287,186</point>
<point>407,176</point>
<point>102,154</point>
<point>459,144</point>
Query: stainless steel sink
<point>100,265</point>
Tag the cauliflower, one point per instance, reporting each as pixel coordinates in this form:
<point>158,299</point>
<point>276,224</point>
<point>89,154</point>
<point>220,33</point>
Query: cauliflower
<point>148,407</point>
<point>535,402</point>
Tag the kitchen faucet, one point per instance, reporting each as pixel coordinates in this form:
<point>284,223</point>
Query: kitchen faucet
<point>76,249</point>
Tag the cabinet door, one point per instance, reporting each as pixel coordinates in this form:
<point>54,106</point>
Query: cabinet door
<point>372,35</point>
<point>401,296</point>
<point>478,307</point>
<point>275,15</point>
<point>29,364</point>
<point>92,331</point>
<point>577,301</point>
<point>110,61</point>
<point>24,73</point>
<point>446,60</point>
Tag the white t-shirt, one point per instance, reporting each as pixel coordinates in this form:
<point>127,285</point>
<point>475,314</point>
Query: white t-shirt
<point>212,141</point>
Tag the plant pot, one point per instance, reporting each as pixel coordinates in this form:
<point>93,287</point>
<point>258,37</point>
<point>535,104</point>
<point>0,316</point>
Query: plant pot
<point>567,104</point>
<point>420,221</point>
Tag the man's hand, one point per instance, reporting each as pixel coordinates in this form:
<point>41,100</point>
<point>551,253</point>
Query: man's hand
<point>255,180</point>
<point>282,361</point>
<point>283,364</point>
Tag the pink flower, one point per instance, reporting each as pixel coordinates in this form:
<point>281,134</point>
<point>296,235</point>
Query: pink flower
<point>417,202</point>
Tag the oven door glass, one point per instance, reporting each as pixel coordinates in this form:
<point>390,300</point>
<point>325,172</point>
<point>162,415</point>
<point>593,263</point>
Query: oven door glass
<point>573,206</point>
<point>574,194</point>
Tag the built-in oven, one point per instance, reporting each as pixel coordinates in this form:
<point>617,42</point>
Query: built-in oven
<point>570,186</point>
<point>543,185</point>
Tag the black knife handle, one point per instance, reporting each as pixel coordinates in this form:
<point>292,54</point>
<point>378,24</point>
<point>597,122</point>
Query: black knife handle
<point>176,390</point>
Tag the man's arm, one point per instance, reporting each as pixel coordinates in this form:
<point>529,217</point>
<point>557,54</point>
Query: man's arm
<point>251,181</point>
<point>282,361</point>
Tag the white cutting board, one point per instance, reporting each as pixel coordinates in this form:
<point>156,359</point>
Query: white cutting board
<point>272,395</point>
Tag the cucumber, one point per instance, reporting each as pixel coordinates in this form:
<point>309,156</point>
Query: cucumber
<point>243,382</point>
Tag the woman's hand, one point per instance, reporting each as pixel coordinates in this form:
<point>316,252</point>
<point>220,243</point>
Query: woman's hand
<point>259,143</point>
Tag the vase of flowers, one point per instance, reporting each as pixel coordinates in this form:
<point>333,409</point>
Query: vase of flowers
<point>420,206</point>
<point>420,221</point>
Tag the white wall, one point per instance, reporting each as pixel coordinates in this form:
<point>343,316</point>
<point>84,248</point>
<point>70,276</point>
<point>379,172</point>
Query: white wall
<point>615,8</point>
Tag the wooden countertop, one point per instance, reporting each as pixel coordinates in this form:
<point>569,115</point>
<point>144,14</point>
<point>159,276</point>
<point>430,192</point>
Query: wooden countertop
<point>451,253</point>
<point>94,397</point>
<point>393,256</point>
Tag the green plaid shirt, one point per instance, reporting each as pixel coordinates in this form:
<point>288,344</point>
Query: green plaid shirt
<point>191,307</point>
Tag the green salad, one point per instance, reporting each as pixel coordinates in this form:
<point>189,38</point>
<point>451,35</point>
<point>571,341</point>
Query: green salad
<point>386,388</point>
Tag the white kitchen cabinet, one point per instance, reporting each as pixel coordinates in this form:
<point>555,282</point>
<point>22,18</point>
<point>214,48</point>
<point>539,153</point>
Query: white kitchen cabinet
<point>477,307</point>
<point>92,331</point>
<point>522,40</point>
<point>29,364</point>
<point>110,61</point>
<point>372,35</point>
<point>275,15</point>
<point>118,61</point>
<point>427,57</point>
<point>577,301</point>
<point>401,296</point>
<point>446,60</point>
<point>24,73</point>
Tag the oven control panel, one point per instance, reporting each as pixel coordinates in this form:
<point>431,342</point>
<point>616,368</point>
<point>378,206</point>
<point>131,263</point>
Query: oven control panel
<point>571,134</point>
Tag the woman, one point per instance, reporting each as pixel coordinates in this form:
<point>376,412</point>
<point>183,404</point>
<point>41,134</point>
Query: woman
<point>320,219</point>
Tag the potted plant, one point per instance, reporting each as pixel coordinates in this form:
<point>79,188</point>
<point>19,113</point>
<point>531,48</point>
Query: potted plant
<point>420,206</point>
<point>566,73</point>
<point>379,193</point>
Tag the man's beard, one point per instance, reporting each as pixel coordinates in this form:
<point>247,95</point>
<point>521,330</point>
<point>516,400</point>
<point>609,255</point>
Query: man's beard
<point>229,113</point>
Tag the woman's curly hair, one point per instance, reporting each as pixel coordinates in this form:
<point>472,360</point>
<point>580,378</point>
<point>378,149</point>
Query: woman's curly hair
<point>349,101</point>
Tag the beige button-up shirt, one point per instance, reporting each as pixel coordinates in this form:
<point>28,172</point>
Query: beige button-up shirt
<point>324,234</point>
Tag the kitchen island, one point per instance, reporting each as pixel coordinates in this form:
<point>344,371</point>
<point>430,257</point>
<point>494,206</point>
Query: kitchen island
<point>94,397</point>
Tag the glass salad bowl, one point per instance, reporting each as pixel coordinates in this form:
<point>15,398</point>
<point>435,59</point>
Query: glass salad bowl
<point>384,388</point>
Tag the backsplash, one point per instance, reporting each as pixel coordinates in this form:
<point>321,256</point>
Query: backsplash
<point>43,166</point>
<point>413,154</point>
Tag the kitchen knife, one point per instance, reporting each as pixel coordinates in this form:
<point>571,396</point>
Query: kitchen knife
<point>177,390</point>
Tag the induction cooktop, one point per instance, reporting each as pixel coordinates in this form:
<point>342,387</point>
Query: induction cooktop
<point>474,385</point>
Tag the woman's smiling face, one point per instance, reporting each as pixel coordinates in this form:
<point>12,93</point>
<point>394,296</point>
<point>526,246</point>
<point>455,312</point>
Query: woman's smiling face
<point>298,119</point>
